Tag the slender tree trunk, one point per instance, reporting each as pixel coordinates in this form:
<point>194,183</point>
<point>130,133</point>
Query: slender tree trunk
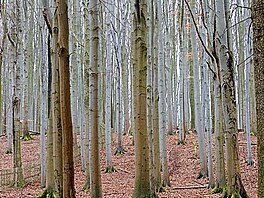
<point>162,97</point>
<point>16,58</point>
<point>108,91</point>
<point>197,97</point>
<point>86,96</point>
<point>155,117</point>
<point>49,162</point>
<point>96,188</point>
<point>2,58</point>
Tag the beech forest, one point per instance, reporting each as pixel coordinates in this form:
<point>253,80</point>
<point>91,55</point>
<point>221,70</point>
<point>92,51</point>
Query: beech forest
<point>131,98</point>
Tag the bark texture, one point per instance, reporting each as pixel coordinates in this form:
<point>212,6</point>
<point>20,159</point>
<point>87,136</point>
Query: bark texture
<point>258,45</point>
<point>67,135</point>
<point>96,188</point>
<point>139,50</point>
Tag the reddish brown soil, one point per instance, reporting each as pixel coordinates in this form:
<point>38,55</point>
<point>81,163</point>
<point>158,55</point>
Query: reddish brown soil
<point>183,168</point>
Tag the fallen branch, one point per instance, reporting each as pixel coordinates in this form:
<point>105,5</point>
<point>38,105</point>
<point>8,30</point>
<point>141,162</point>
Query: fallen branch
<point>115,193</point>
<point>124,170</point>
<point>188,187</point>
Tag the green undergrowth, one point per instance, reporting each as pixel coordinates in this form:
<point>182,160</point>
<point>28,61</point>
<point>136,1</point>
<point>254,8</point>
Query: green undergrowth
<point>162,189</point>
<point>110,169</point>
<point>27,137</point>
<point>181,142</point>
<point>47,194</point>
<point>86,186</point>
<point>18,184</point>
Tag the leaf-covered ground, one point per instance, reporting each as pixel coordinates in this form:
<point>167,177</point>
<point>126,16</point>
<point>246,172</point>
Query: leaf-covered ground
<point>183,168</point>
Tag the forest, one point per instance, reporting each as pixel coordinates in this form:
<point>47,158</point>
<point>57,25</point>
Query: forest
<point>132,98</point>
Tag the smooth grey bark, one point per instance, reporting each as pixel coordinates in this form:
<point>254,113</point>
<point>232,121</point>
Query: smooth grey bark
<point>162,96</point>
<point>108,93</point>
<point>96,188</point>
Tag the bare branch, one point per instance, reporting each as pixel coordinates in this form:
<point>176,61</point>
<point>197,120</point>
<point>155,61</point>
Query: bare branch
<point>10,39</point>
<point>240,6</point>
<point>199,36</point>
<point>245,60</point>
<point>47,20</point>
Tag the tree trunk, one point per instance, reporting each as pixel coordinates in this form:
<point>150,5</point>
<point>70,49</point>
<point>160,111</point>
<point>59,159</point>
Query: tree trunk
<point>56,113</point>
<point>16,58</point>
<point>224,50</point>
<point>258,45</point>
<point>197,96</point>
<point>139,53</point>
<point>67,133</point>
<point>108,93</point>
<point>96,188</point>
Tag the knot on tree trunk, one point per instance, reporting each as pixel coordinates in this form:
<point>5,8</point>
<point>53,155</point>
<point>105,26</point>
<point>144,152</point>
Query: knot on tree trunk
<point>15,101</point>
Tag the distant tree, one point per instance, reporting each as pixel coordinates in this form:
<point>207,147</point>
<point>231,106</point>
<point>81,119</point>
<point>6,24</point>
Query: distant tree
<point>2,58</point>
<point>258,45</point>
<point>108,92</point>
<point>162,95</point>
<point>197,98</point>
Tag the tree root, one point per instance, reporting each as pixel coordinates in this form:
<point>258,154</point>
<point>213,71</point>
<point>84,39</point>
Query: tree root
<point>120,151</point>
<point>9,151</point>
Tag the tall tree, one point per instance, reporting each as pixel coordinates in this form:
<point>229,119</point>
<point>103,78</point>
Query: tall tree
<point>108,92</point>
<point>162,96</point>
<point>86,57</point>
<point>56,113</point>
<point>2,57</point>
<point>258,45</point>
<point>139,53</point>
<point>197,97</point>
<point>16,58</point>
<point>96,188</point>
<point>225,55</point>
<point>67,135</point>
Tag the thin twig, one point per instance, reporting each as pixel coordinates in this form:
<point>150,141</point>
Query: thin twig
<point>199,36</point>
<point>124,170</point>
<point>245,60</point>
<point>10,39</point>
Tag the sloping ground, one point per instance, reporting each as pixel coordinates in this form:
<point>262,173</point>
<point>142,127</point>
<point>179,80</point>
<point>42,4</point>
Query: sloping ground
<point>183,168</point>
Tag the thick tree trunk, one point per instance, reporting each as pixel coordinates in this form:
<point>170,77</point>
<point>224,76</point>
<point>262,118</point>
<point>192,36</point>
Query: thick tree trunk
<point>139,51</point>
<point>258,45</point>
<point>234,182</point>
<point>67,133</point>
<point>56,113</point>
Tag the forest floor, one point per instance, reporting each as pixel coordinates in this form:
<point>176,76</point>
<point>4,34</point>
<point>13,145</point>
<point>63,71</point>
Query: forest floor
<point>183,169</point>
